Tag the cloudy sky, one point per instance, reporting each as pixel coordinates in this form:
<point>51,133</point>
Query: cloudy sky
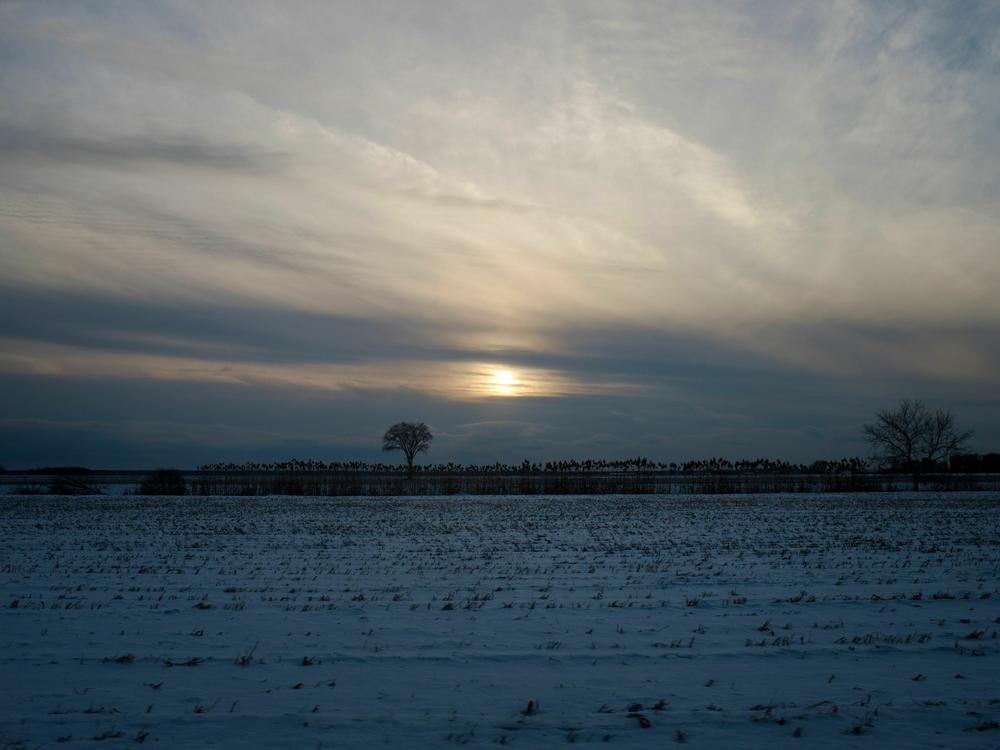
<point>239,230</point>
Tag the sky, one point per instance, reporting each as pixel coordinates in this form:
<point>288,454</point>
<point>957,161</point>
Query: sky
<point>252,230</point>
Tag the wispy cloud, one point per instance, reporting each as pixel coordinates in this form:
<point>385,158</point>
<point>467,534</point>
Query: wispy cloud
<point>594,194</point>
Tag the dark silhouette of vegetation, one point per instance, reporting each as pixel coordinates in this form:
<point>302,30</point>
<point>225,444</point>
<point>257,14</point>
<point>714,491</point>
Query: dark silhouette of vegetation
<point>164,482</point>
<point>411,438</point>
<point>71,485</point>
<point>914,439</point>
<point>973,463</point>
<point>62,480</point>
<point>638,475</point>
<point>587,466</point>
<point>591,476</point>
<point>61,471</point>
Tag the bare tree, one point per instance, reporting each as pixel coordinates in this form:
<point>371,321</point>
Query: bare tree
<point>411,438</point>
<point>912,437</point>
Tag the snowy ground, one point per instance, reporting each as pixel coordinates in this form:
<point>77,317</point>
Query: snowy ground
<point>725,621</point>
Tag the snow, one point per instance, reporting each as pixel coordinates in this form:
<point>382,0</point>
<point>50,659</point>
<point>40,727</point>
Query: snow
<point>733,621</point>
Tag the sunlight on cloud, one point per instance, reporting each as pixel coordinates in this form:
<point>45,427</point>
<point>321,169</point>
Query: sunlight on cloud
<point>595,167</point>
<point>489,380</point>
<point>447,380</point>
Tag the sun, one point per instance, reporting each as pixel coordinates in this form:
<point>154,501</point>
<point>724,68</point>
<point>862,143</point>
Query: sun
<point>504,382</point>
<point>504,377</point>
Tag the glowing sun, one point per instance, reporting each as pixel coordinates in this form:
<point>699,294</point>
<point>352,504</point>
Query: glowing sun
<point>504,382</point>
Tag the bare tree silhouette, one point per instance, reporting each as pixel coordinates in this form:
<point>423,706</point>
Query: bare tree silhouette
<point>411,438</point>
<point>913,438</point>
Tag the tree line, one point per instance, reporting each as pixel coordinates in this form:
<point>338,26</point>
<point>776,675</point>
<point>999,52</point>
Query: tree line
<point>585,466</point>
<point>910,440</point>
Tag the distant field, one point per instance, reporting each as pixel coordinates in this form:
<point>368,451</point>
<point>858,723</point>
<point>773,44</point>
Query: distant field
<point>717,621</point>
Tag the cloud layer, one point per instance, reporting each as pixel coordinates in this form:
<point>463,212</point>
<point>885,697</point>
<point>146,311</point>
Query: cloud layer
<point>641,203</point>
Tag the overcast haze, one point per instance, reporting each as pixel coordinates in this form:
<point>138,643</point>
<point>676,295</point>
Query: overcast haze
<point>254,230</point>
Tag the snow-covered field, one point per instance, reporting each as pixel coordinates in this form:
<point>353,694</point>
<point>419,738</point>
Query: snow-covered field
<point>724,621</point>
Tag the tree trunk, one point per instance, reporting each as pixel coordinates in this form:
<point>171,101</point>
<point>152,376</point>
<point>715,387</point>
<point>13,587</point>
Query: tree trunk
<point>409,467</point>
<point>916,481</point>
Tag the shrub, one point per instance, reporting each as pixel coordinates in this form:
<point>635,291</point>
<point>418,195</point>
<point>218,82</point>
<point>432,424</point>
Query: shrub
<point>164,482</point>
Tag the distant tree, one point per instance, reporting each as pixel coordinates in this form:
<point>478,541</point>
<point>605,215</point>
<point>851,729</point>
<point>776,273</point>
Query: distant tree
<point>411,438</point>
<point>914,438</point>
<point>164,482</point>
<point>975,463</point>
<point>70,485</point>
